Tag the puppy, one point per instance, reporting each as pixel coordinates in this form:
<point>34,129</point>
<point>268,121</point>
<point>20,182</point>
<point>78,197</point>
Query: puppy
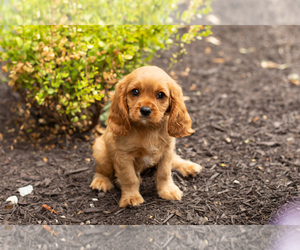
<point>147,112</point>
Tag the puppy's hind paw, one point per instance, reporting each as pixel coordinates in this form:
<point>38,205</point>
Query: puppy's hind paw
<point>101,183</point>
<point>191,168</point>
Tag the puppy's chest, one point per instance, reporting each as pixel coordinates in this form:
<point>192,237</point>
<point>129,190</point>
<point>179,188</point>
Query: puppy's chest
<point>147,148</point>
<point>148,157</point>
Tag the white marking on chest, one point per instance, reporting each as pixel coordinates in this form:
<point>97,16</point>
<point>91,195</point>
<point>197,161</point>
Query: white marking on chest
<point>153,149</point>
<point>148,161</point>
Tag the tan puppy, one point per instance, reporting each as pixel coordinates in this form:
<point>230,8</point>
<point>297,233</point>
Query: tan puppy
<point>147,112</point>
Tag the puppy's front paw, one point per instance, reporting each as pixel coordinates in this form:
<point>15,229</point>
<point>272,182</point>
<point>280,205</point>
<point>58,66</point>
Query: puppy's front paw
<point>131,199</point>
<point>170,192</point>
<point>190,168</point>
<point>101,183</point>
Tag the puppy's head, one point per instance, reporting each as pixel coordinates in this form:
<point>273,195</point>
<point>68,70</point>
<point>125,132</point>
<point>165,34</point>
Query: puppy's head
<point>145,98</point>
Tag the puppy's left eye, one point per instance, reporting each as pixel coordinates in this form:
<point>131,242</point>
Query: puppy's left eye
<point>135,92</point>
<point>160,95</point>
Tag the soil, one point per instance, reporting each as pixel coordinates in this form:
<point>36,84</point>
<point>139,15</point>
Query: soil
<point>246,119</point>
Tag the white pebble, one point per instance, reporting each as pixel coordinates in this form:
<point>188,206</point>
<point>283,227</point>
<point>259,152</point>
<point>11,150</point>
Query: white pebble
<point>25,190</point>
<point>13,199</point>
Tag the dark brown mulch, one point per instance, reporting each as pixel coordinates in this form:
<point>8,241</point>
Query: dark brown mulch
<point>247,139</point>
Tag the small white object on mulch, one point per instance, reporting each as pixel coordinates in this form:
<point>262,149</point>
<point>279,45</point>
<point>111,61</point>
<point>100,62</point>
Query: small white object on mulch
<point>13,199</point>
<point>25,190</point>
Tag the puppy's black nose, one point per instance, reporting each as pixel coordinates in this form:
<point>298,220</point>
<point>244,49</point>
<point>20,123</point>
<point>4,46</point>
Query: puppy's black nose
<point>145,111</point>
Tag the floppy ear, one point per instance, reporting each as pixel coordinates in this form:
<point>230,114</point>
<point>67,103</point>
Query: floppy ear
<point>180,123</point>
<point>118,120</point>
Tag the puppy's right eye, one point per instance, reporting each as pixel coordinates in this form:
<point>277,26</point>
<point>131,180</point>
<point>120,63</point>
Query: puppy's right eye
<point>135,92</point>
<point>161,95</point>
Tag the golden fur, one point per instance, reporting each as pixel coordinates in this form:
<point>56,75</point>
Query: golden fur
<point>133,142</point>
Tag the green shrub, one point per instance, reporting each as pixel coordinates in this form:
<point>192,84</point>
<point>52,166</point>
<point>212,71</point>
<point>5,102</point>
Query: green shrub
<point>100,12</point>
<point>69,71</point>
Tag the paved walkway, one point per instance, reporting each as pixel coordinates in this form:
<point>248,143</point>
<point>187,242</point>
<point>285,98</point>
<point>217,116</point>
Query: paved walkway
<point>254,12</point>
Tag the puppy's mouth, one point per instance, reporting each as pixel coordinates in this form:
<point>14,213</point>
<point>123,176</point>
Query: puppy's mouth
<point>141,120</point>
<point>144,121</point>
<point>145,116</point>
<point>149,121</point>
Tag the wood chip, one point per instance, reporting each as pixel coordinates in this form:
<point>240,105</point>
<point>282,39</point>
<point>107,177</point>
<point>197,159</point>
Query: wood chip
<point>213,40</point>
<point>76,171</point>
<point>269,143</point>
